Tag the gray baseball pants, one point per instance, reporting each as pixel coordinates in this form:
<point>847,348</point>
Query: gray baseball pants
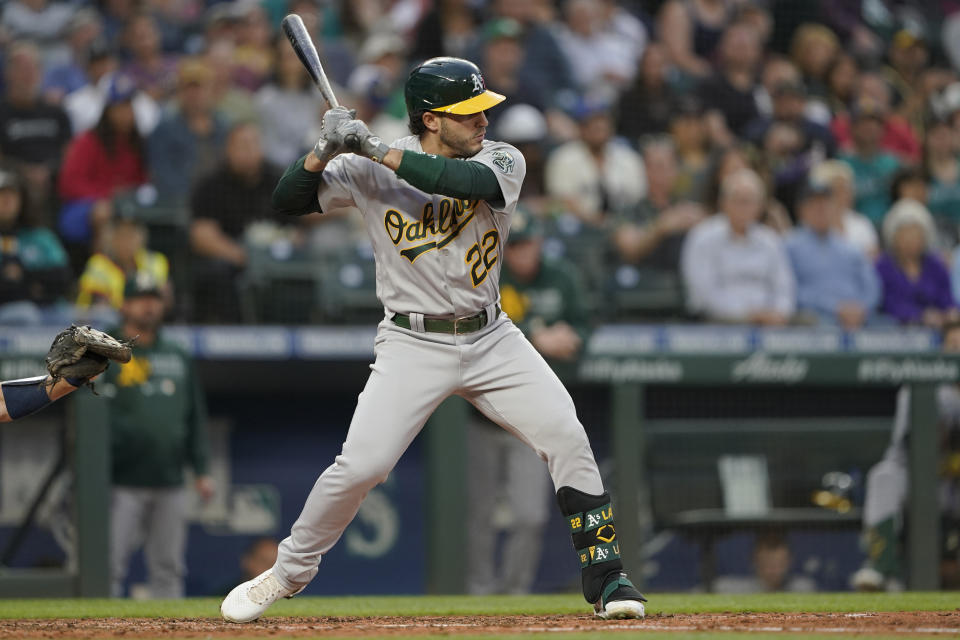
<point>496,369</point>
<point>157,520</point>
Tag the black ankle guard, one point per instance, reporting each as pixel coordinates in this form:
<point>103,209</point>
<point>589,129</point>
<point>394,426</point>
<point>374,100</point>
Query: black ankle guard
<point>590,519</point>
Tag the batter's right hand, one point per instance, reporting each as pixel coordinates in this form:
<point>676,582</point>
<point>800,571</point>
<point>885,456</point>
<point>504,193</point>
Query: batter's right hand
<point>329,143</point>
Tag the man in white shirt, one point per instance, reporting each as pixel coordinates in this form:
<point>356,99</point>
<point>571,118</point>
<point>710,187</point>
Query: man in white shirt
<point>596,175</point>
<point>734,269</point>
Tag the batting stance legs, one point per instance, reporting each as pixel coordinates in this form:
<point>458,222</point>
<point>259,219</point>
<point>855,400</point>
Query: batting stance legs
<point>411,376</point>
<point>501,373</point>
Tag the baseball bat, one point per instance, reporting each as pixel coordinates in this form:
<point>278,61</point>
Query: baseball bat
<point>296,33</point>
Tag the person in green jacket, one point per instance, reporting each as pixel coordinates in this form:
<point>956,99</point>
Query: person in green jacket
<point>157,427</point>
<point>509,486</point>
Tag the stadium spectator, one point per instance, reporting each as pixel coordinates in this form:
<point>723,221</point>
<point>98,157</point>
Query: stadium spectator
<point>33,134</point>
<point>731,91</point>
<point>689,134</point>
<point>542,56</point>
<point>863,32</point>
<point>788,105</point>
<point>253,56</point>
<point>627,33</point>
<point>916,285</point>
<point>232,103</point>
<point>734,269</point>
<point>336,55</point>
<point>289,115</point>
<point>100,164</point>
<point>157,427</point>
<point>33,264</point>
<point>222,205</point>
<point>772,569</point>
<point>691,31</point>
<point>545,300</point>
<point>525,128</point>
<point>777,71</point>
<point>448,29</point>
<point>942,164</point>
<point>908,75</point>
<point>174,23</point>
<point>85,105</point>
<point>855,227</point>
<point>124,257</point>
<point>600,67</point>
<point>37,20</point>
<point>872,167</point>
<point>67,71</point>
<point>188,140</point>
<point>726,162</point>
<point>646,106</point>
<point>502,64</point>
<point>595,175</point>
<point>897,138</point>
<point>153,71</point>
<point>836,283</point>
<point>910,182</point>
<point>813,49</point>
<point>652,232</point>
<point>841,82</point>
<point>377,85</point>
<point>785,160</point>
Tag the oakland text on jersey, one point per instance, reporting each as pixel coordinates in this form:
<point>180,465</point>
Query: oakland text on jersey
<point>450,217</point>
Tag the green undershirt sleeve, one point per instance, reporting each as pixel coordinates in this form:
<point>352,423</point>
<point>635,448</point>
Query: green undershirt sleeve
<point>296,193</point>
<point>460,179</point>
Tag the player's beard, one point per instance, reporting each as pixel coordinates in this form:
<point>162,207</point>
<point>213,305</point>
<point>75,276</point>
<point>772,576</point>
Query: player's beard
<point>463,145</point>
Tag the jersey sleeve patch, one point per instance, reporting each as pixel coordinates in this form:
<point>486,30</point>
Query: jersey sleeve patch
<point>503,161</point>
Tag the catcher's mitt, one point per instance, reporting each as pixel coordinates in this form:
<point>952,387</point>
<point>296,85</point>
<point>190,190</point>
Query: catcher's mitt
<point>80,352</point>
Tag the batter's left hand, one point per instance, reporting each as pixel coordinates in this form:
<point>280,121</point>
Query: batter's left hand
<point>358,138</point>
<point>328,145</point>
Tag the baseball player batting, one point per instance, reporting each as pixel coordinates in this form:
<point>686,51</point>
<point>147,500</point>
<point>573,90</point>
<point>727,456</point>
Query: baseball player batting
<point>437,207</point>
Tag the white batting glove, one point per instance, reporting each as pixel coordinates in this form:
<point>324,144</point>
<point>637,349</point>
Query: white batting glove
<point>358,139</point>
<point>329,144</point>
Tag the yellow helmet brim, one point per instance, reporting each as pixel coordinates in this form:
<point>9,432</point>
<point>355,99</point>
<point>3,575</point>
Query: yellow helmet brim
<point>476,104</point>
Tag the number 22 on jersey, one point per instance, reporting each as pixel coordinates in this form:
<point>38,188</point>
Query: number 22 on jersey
<point>482,255</point>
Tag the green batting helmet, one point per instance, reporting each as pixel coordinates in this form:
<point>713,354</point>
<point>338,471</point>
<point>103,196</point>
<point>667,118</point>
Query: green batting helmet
<point>448,85</point>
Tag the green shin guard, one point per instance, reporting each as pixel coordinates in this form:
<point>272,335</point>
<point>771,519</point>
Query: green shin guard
<point>590,519</point>
<point>883,540</point>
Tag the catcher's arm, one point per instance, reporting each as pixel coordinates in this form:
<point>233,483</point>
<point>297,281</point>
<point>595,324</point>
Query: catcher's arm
<point>30,395</point>
<point>76,357</point>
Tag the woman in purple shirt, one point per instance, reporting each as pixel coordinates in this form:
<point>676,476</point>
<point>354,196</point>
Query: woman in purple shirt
<point>916,284</point>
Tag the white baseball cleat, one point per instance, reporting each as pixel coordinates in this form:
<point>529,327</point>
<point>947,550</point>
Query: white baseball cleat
<point>619,599</point>
<point>249,600</point>
<point>622,610</point>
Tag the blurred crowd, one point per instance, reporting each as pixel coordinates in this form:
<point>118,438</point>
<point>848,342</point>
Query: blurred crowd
<point>753,161</point>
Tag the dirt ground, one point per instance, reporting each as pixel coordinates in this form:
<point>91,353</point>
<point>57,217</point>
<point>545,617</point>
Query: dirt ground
<point>946,623</point>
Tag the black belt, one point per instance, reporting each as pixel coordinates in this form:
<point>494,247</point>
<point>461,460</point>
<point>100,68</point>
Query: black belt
<point>456,326</point>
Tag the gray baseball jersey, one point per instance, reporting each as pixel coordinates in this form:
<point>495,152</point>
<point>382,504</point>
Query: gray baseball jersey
<point>435,255</point>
